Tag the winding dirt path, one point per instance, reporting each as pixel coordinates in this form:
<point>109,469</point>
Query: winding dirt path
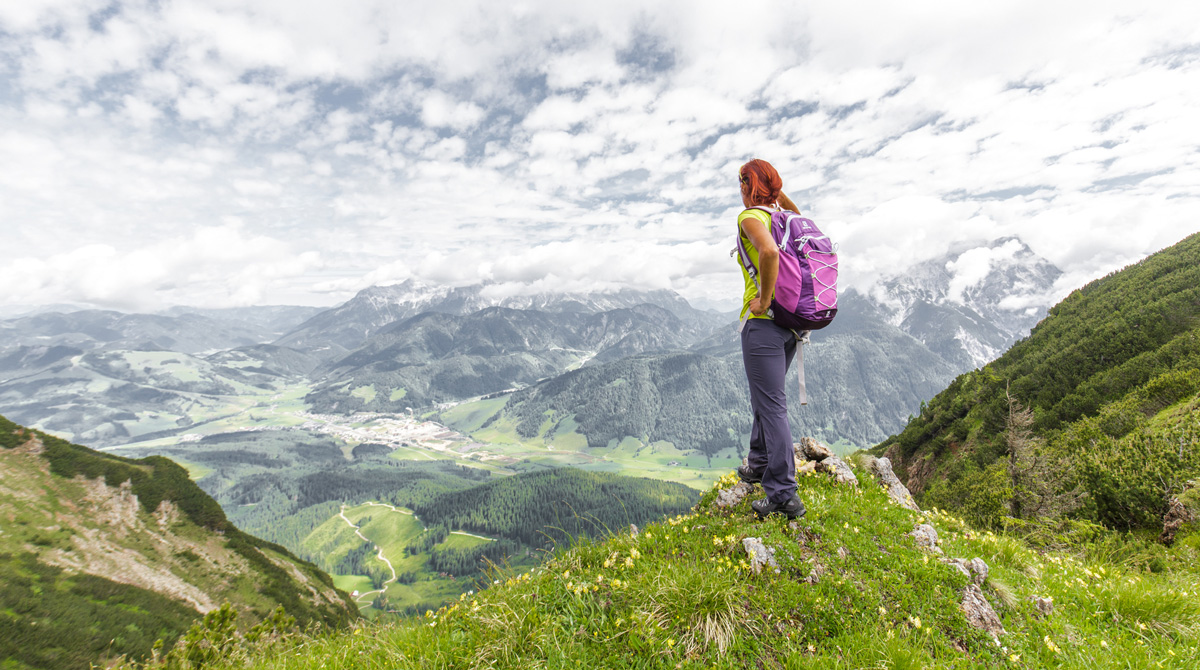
<point>358,532</point>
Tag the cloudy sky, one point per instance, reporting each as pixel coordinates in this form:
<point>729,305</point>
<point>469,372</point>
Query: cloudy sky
<point>233,152</point>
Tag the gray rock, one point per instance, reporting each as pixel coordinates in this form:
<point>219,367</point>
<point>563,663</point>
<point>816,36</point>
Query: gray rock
<point>975,568</point>
<point>881,469</point>
<point>958,563</point>
<point>809,449</point>
<point>633,530</point>
<point>760,555</point>
<point>979,571</point>
<point>837,468</point>
<point>805,466</point>
<point>732,496</point>
<point>815,573</point>
<point>1044,607</point>
<point>979,611</point>
<point>926,537</point>
<point>842,553</point>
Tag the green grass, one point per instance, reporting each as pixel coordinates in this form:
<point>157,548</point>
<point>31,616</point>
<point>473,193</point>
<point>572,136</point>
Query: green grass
<point>458,540</point>
<point>352,583</point>
<point>468,417</point>
<point>332,539</point>
<point>392,532</point>
<point>853,591</point>
<point>365,393</point>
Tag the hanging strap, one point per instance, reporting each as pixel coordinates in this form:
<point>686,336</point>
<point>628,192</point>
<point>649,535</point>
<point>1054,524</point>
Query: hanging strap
<point>801,340</point>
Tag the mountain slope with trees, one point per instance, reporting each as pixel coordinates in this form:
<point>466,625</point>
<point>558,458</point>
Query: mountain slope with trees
<point>102,555</point>
<point>864,377</point>
<point>1106,389</point>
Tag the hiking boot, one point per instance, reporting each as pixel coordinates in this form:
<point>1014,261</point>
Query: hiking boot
<point>748,475</point>
<point>793,508</point>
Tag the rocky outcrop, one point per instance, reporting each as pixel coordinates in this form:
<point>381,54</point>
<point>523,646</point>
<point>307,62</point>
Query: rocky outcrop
<point>809,449</point>
<point>975,568</point>
<point>979,611</point>
<point>881,469</point>
<point>812,455</point>
<point>732,496</point>
<point>761,556</point>
<point>926,537</point>
<point>1179,514</point>
<point>837,468</point>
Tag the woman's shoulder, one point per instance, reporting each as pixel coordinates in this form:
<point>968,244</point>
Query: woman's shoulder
<point>755,213</point>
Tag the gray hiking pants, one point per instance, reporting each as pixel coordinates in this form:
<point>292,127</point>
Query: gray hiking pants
<point>767,351</point>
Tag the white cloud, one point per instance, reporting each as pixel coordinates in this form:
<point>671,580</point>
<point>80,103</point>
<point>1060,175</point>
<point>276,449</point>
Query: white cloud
<point>230,267</point>
<point>563,144</point>
<point>973,265</point>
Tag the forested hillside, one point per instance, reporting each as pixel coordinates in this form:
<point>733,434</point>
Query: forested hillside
<point>864,377</point>
<point>102,555</point>
<point>541,508</point>
<point>1095,413</point>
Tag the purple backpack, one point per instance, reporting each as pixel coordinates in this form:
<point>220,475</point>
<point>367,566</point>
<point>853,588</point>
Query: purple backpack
<point>806,287</point>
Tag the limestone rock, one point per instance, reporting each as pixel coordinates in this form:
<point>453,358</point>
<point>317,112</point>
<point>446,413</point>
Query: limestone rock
<point>926,537</point>
<point>979,611</point>
<point>809,449</point>
<point>975,568</point>
<point>815,573</point>
<point>881,469</point>
<point>633,530</point>
<point>837,468</point>
<point>1043,606</point>
<point>806,466</point>
<point>732,496</point>
<point>760,555</point>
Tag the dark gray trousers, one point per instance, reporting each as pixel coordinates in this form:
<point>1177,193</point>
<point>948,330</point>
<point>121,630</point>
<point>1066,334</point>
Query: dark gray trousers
<point>767,351</point>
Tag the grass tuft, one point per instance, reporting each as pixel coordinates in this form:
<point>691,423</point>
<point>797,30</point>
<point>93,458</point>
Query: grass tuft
<point>1150,607</point>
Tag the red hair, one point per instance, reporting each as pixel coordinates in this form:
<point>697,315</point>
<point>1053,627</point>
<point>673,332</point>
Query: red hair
<point>760,182</point>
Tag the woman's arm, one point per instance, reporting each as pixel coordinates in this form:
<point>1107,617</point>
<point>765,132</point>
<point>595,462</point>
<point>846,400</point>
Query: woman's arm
<point>768,264</point>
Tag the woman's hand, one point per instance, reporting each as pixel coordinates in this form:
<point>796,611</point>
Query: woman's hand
<point>758,307</point>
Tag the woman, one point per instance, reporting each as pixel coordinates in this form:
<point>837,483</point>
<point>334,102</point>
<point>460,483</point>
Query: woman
<point>767,349</point>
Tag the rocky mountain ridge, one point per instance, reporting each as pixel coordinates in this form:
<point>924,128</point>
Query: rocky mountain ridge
<point>127,543</point>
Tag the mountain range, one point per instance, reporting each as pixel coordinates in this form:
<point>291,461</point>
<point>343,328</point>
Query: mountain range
<point>109,378</point>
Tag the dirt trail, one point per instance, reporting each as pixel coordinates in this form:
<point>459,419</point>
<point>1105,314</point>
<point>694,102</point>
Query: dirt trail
<point>358,532</point>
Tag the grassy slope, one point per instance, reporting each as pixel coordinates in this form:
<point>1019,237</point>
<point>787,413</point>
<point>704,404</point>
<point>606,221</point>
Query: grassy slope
<point>680,595</point>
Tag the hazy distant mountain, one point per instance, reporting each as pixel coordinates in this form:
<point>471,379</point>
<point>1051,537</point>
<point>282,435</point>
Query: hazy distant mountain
<point>435,357</point>
<point>971,304</point>
<point>92,329</point>
<point>111,396</point>
<point>270,320</point>
<point>348,326</point>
